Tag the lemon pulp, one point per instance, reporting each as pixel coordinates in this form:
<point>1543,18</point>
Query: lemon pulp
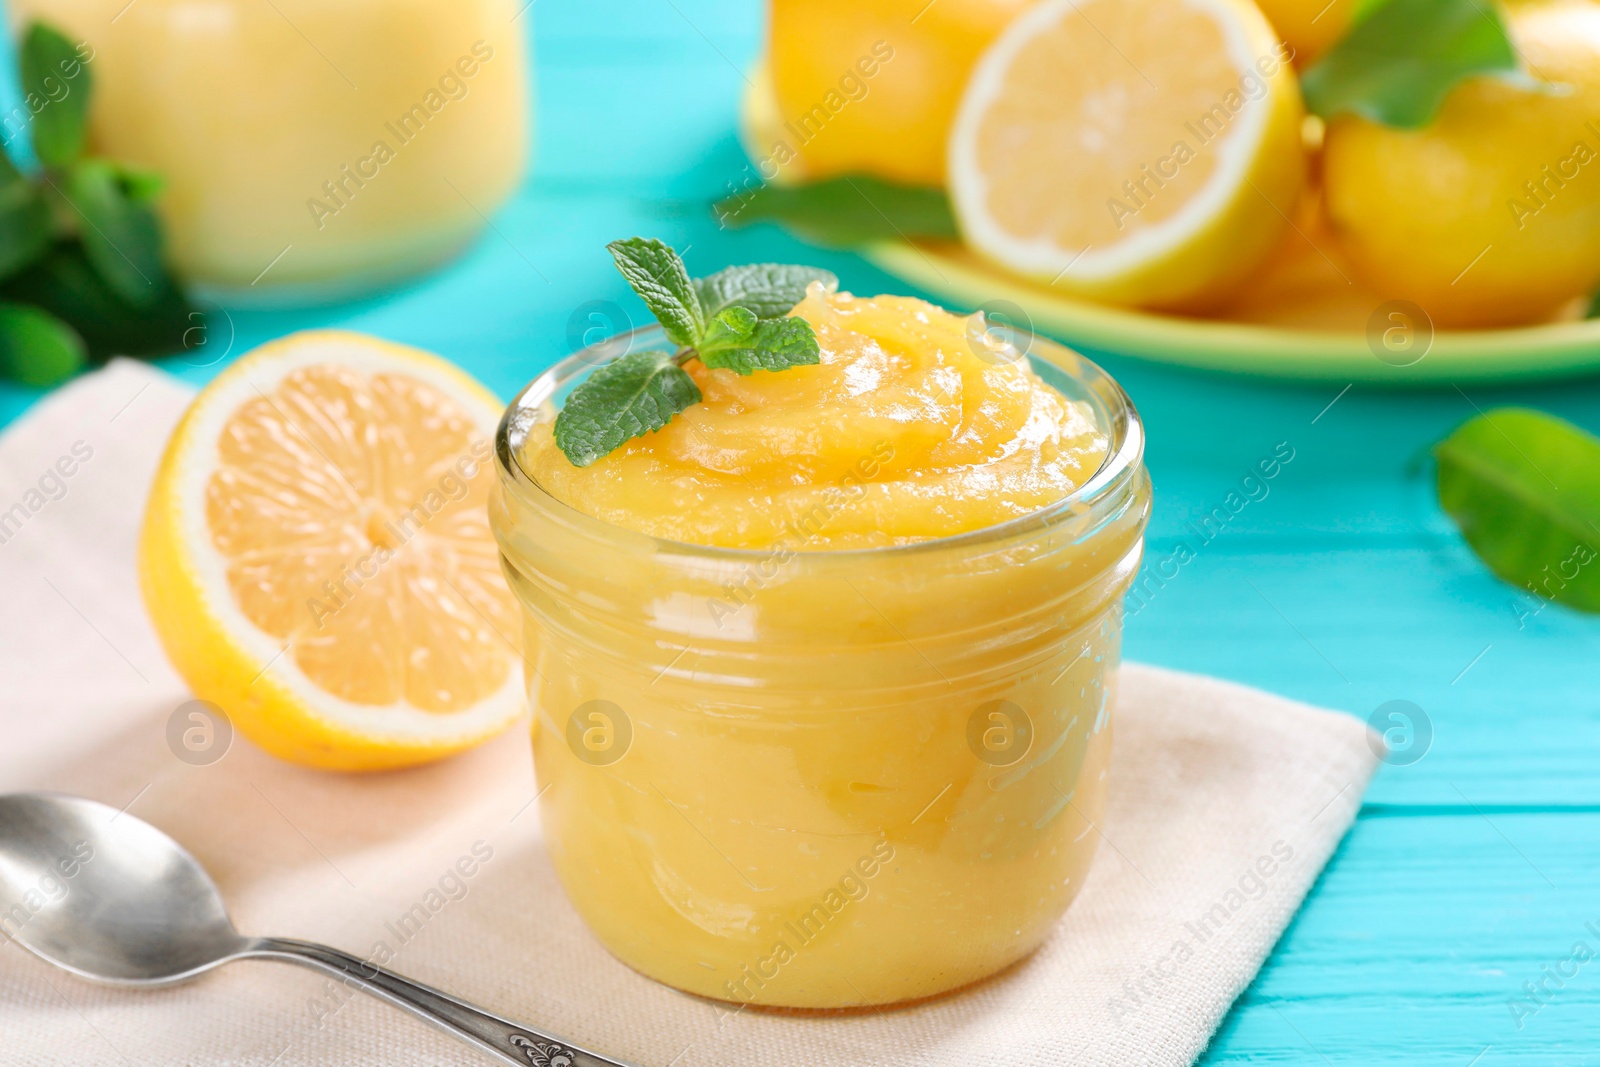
<point>349,530</point>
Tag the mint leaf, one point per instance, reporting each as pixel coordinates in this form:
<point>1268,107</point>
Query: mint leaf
<point>120,234</point>
<point>1524,488</point>
<point>768,289</point>
<point>63,283</point>
<point>846,211</point>
<point>1398,63</point>
<point>776,344</point>
<point>624,399</point>
<point>36,348</point>
<point>656,273</point>
<point>25,226</point>
<point>8,170</point>
<point>141,185</point>
<point>55,84</point>
<point>731,328</point>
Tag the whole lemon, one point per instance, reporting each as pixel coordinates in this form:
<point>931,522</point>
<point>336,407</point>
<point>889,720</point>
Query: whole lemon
<point>1309,27</point>
<point>1490,215</point>
<point>871,86</point>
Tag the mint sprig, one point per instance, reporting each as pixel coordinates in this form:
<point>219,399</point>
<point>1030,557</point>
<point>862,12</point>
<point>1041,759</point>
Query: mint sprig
<point>736,319</point>
<point>82,270</point>
<point>847,211</point>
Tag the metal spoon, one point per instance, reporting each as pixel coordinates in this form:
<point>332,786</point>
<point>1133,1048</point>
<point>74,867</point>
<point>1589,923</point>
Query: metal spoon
<point>110,898</point>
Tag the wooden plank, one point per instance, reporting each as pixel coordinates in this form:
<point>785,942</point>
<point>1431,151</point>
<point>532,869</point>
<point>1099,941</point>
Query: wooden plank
<point>1514,718</point>
<point>1417,937</point>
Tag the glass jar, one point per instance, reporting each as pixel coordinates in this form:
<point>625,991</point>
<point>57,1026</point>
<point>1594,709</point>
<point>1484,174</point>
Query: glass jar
<point>309,149</point>
<point>823,779</point>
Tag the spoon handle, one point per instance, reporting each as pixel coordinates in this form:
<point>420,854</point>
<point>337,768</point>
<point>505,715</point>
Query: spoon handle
<point>500,1038</point>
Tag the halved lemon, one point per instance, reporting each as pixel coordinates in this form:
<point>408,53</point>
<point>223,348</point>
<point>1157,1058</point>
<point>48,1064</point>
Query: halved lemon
<point>1143,152</point>
<point>316,554</point>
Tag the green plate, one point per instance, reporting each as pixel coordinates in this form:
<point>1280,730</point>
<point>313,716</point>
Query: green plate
<point>1412,353</point>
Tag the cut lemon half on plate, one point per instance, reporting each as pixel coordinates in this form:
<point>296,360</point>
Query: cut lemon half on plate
<point>316,554</point>
<point>1134,151</point>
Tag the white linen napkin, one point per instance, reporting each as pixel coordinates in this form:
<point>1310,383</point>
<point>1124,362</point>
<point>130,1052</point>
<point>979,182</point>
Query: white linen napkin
<point>1225,803</point>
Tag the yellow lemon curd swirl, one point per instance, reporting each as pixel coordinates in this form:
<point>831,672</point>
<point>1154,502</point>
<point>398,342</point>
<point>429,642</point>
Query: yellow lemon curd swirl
<point>798,777</point>
<point>917,423</point>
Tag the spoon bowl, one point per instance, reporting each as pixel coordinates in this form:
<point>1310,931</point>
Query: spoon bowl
<point>106,896</point>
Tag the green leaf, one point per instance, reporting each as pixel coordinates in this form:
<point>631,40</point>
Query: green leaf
<point>25,226</point>
<point>36,348</point>
<point>768,289</point>
<point>624,399</point>
<point>777,344</point>
<point>656,273</point>
<point>121,235</point>
<point>1524,487</point>
<point>55,86</point>
<point>731,328</point>
<point>64,284</point>
<point>846,211</point>
<point>8,170</point>
<point>141,185</point>
<point>1398,63</point>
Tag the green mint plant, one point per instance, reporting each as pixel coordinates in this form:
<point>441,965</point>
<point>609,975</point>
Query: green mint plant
<point>81,270</point>
<point>735,319</point>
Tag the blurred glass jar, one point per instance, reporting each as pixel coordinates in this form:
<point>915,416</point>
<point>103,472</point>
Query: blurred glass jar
<point>823,779</point>
<point>311,150</point>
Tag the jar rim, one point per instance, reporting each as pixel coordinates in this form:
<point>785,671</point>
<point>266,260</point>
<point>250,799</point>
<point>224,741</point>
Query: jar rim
<point>1121,467</point>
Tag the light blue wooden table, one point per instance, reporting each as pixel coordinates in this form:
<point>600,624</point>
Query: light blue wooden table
<point>1468,871</point>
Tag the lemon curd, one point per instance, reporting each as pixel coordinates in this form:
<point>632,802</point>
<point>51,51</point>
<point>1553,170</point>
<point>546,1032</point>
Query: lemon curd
<point>916,424</point>
<point>309,149</point>
<point>823,670</point>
